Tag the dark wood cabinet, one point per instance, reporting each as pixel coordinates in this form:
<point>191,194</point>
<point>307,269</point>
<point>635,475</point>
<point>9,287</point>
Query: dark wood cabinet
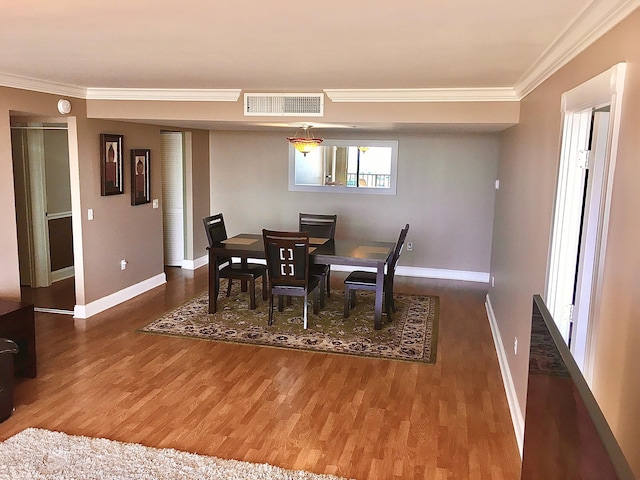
<point>17,323</point>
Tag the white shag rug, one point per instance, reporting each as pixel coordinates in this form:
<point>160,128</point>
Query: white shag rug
<point>36,454</point>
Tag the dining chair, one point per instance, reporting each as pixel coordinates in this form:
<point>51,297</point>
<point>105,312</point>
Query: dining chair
<point>287,256</point>
<point>361,280</point>
<point>319,226</point>
<point>248,272</point>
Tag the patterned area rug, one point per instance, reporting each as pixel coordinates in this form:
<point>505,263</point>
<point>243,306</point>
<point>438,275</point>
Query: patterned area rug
<point>36,454</point>
<point>411,336</point>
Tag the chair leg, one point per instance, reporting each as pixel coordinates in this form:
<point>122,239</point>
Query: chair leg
<point>271,309</point>
<point>315,301</point>
<point>304,309</point>
<point>346,301</point>
<point>328,283</point>
<point>229,288</point>
<point>389,307</point>
<point>264,287</point>
<point>390,292</point>
<point>252,295</point>
<point>321,284</point>
<point>280,303</point>
<point>353,298</point>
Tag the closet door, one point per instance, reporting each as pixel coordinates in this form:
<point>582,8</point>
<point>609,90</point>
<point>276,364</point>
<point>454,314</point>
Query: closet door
<point>173,198</point>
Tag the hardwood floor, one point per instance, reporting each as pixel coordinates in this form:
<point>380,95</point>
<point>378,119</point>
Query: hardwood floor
<point>354,417</point>
<point>59,296</point>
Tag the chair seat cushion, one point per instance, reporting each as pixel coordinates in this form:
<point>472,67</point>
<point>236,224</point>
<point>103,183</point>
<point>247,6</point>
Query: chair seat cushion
<point>318,269</point>
<point>295,290</point>
<point>254,270</point>
<point>359,277</point>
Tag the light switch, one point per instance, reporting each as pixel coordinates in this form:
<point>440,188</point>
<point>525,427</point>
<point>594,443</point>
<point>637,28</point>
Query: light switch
<point>90,214</point>
<point>155,203</point>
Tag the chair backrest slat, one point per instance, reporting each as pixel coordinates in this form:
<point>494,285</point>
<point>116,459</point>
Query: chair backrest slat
<point>318,225</point>
<point>215,229</point>
<point>287,255</point>
<point>398,250</point>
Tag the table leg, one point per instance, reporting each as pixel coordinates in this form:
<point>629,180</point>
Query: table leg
<point>214,283</point>
<point>377,317</point>
<point>243,283</point>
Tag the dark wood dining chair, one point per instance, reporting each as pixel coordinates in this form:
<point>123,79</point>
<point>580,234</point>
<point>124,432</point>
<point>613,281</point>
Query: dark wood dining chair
<point>320,226</point>
<point>287,256</point>
<point>361,280</point>
<point>246,272</point>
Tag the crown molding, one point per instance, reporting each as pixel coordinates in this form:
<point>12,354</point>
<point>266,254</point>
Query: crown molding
<point>498,94</point>
<point>26,83</point>
<point>164,94</point>
<point>590,24</point>
<point>596,19</point>
<point>158,94</point>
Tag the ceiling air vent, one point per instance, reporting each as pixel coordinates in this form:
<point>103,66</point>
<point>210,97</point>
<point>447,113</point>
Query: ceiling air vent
<point>284,104</point>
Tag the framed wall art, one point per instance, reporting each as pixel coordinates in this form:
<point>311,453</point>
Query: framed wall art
<point>140,176</point>
<point>111,169</point>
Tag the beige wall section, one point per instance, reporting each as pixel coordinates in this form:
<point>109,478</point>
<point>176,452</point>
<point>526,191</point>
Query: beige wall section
<point>524,206</point>
<point>10,271</point>
<point>196,191</point>
<point>200,190</point>
<point>445,192</point>
<point>442,113</point>
<point>119,231</point>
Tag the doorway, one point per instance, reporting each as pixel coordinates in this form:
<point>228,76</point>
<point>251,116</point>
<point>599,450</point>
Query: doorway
<point>578,243</point>
<point>40,152</point>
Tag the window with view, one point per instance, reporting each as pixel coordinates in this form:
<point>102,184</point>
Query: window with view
<point>346,166</point>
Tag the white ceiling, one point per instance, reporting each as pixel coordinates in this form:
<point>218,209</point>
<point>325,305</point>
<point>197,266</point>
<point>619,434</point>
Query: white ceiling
<point>286,45</point>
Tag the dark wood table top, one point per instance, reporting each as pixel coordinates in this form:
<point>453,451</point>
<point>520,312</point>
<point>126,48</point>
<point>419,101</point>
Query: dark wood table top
<point>334,252</point>
<point>8,306</point>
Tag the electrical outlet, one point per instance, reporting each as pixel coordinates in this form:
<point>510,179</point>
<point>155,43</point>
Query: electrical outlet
<point>493,281</point>
<point>155,203</point>
<point>497,184</point>
<point>123,264</point>
<point>90,214</point>
<point>409,247</point>
<point>515,346</point>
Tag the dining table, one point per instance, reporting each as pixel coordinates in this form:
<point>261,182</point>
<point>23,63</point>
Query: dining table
<point>356,253</point>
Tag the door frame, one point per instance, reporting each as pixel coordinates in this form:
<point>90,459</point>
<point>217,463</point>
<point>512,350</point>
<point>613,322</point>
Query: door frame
<point>604,89</point>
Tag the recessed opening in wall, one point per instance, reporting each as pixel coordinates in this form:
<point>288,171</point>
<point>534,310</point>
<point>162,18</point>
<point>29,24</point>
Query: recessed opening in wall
<point>346,166</point>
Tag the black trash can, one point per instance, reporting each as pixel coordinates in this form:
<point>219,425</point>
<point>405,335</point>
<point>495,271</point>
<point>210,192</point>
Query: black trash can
<point>7,349</point>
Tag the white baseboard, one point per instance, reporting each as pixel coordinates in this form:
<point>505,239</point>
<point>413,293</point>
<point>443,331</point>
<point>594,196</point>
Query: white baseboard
<point>482,277</point>
<point>104,303</point>
<point>195,264</point>
<point>517,418</point>
<point>53,310</point>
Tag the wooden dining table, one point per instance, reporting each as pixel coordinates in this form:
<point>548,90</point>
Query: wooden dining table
<point>355,253</point>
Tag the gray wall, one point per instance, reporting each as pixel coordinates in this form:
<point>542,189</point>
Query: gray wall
<point>445,192</point>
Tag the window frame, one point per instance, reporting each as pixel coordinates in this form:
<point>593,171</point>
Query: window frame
<point>358,190</point>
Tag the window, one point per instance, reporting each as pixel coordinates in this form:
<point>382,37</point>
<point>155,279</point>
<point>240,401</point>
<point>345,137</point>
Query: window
<point>346,166</point>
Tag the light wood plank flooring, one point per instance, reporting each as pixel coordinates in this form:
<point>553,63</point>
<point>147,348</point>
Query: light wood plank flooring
<point>354,417</point>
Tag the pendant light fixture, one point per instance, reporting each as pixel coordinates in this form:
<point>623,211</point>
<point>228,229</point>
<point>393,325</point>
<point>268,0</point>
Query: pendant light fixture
<point>306,143</point>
